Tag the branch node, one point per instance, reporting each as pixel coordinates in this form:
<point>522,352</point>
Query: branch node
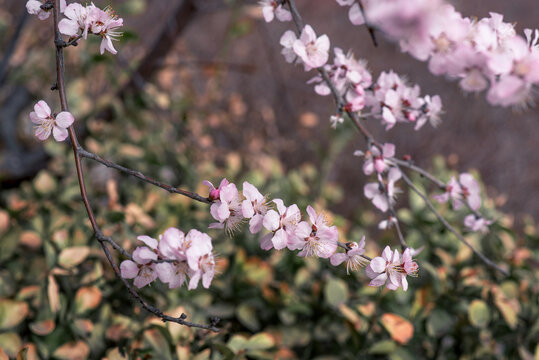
<point>54,86</point>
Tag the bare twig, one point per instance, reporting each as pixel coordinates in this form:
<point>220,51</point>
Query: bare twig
<point>449,227</point>
<point>78,152</point>
<point>370,29</point>
<point>171,189</point>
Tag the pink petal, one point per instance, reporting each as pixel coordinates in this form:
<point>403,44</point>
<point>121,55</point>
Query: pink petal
<point>151,242</point>
<point>338,258</point>
<point>266,243</point>
<point>64,119</point>
<point>379,280</point>
<point>35,119</point>
<point>247,209</point>
<point>378,264</point>
<point>68,27</point>
<point>42,109</point>
<point>280,239</point>
<point>60,134</point>
<point>271,220</point>
<point>128,269</point>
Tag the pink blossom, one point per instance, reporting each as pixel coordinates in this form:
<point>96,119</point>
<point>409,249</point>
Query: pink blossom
<point>391,269</point>
<point>470,190</point>
<point>77,20</point>
<point>452,192</point>
<point>287,41</point>
<point>34,8</point>
<point>47,123</point>
<point>315,239</point>
<point>200,259</point>
<point>335,119</point>
<point>254,207</point>
<point>376,160</point>
<point>172,273</point>
<point>271,9</point>
<point>282,224</point>
<point>380,196</point>
<point>353,257</point>
<point>312,50</point>
<point>142,268</point>
<point>227,210</point>
<point>214,193</point>
<point>475,223</point>
<point>105,24</point>
<point>382,268</point>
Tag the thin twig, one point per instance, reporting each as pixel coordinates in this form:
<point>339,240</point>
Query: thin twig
<point>347,248</point>
<point>449,227</point>
<point>421,171</point>
<point>59,43</point>
<point>370,29</point>
<point>171,189</point>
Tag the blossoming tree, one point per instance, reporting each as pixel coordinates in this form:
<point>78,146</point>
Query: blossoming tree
<point>482,54</point>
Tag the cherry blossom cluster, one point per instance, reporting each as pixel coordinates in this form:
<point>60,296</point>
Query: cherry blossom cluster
<point>286,230</point>
<point>465,191</point>
<point>479,53</point>
<point>81,20</point>
<point>172,258</point>
<point>391,269</point>
<point>390,99</point>
<point>46,122</point>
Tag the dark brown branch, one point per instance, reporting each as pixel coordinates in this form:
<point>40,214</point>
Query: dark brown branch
<point>171,189</point>
<point>370,29</point>
<point>449,227</point>
<point>59,43</point>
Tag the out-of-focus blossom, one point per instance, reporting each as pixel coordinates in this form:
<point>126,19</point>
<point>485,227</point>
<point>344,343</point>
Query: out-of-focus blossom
<point>376,160</point>
<point>380,196</point>
<point>476,223</point>
<point>272,9</point>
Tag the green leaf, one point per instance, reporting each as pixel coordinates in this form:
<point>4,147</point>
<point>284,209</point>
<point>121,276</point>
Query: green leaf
<point>479,314</point>
<point>237,343</point>
<point>336,292</point>
<point>439,323</point>
<point>247,316</point>
<point>261,341</point>
<point>12,313</point>
<point>383,347</point>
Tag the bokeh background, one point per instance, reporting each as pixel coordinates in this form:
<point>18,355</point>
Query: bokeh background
<point>198,91</point>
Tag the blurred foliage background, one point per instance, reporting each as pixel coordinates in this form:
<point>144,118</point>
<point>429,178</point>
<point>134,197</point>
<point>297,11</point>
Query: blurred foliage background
<point>186,100</point>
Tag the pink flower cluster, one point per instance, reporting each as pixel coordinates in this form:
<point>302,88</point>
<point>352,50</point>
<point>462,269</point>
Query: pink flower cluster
<point>391,269</point>
<point>481,54</point>
<point>285,228</point>
<point>390,99</point>
<point>465,191</point>
<point>172,258</point>
<point>81,20</point>
<point>47,123</point>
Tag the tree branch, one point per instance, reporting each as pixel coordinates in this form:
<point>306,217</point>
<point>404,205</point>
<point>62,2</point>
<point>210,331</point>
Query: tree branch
<point>78,152</point>
<point>449,227</point>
